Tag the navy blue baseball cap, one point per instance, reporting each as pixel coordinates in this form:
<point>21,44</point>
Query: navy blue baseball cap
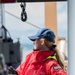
<point>45,33</point>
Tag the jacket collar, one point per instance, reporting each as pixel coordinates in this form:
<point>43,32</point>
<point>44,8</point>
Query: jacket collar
<point>41,55</point>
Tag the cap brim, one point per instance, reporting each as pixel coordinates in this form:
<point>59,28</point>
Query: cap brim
<point>33,38</point>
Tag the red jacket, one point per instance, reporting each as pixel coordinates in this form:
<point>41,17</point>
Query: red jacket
<point>36,64</point>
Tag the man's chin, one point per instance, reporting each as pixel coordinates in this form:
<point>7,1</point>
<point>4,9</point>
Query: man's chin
<point>36,49</point>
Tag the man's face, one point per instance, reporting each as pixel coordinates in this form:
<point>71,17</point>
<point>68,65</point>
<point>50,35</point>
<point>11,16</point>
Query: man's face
<point>37,44</point>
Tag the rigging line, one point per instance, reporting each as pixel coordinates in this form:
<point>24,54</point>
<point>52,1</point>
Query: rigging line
<point>20,19</point>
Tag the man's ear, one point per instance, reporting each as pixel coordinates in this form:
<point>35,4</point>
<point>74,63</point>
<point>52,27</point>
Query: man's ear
<point>42,41</point>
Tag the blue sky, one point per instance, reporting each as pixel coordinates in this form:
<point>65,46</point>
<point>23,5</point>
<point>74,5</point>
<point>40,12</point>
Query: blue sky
<point>35,13</point>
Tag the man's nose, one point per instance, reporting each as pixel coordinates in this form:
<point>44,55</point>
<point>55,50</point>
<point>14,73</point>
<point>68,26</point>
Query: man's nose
<point>33,42</point>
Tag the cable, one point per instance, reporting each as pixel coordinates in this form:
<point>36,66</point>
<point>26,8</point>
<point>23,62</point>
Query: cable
<point>19,19</point>
<point>6,30</point>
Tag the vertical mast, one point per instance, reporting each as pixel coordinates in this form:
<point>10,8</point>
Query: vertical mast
<point>51,16</point>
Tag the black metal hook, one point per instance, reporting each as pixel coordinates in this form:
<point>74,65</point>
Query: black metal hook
<point>23,16</point>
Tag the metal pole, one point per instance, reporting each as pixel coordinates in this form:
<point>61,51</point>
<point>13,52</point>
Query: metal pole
<point>71,37</point>
<point>2,14</point>
<point>2,31</point>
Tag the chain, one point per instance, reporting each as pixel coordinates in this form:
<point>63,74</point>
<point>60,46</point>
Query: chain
<point>23,13</point>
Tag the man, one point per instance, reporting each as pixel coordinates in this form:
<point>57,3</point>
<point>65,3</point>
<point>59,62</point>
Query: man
<point>45,59</point>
